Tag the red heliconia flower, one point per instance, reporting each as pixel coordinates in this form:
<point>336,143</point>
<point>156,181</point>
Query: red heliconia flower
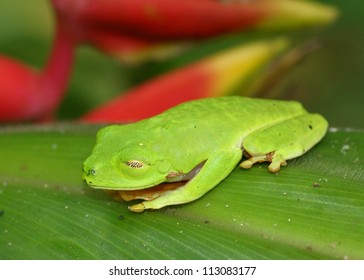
<point>133,29</point>
<point>217,75</point>
<point>27,94</point>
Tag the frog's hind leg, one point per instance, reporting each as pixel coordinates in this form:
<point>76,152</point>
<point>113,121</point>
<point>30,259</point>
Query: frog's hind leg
<point>284,140</point>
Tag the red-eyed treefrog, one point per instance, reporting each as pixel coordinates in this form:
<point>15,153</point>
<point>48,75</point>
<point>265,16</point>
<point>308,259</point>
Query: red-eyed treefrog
<point>199,142</point>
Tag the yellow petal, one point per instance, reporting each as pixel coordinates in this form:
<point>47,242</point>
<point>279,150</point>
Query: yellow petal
<point>234,67</point>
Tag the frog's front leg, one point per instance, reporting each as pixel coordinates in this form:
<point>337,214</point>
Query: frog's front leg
<point>217,167</point>
<point>283,141</point>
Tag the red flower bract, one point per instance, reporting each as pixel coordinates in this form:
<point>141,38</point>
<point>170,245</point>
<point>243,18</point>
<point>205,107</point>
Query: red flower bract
<point>161,19</point>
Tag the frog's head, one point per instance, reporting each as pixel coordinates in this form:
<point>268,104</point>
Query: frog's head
<point>123,162</point>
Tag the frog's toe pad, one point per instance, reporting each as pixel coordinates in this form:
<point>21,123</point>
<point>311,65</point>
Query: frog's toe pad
<point>137,208</point>
<point>276,164</point>
<point>246,164</point>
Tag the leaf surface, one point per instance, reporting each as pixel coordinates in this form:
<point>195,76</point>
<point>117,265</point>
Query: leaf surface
<point>312,209</point>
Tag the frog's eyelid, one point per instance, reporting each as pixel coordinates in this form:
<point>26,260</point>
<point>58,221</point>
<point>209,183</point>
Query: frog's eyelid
<point>134,164</point>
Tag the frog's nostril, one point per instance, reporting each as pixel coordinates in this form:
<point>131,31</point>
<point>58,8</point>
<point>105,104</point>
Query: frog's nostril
<point>88,171</point>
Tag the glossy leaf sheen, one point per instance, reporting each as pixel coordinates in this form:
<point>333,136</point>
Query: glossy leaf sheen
<point>313,208</point>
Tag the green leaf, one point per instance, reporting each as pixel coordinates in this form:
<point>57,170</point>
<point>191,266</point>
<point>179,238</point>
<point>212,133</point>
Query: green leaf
<point>312,209</point>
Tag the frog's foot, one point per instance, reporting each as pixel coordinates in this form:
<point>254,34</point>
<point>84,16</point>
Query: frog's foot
<point>150,193</point>
<point>132,195</point>
<point>276,160</point>
<point>252,160</point>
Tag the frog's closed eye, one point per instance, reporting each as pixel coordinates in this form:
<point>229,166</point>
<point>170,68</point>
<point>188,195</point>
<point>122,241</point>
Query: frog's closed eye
<point>134,163</point>
<point>134,168</point>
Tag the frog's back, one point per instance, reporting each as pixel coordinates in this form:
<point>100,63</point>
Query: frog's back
<point>232,112</point>
<point>190,132</point>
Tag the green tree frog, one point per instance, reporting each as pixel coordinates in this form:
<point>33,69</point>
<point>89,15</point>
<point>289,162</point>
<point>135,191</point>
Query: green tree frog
<point>199,142</point>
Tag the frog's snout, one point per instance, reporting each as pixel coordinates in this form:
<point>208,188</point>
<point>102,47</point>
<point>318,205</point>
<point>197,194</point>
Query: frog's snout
<point>87,172</point>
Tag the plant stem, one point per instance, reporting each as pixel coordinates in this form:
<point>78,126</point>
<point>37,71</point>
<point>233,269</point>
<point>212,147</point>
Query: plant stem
<point>53,80</point>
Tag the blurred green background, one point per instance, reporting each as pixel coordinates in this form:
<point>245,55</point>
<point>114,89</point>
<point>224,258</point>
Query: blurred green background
<point>329,81</point>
